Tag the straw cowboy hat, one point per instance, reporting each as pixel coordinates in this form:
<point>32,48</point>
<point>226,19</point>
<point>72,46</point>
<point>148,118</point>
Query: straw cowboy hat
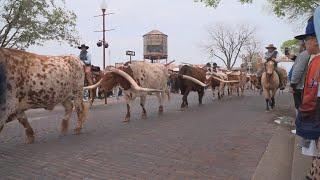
<point>83,46</point>
<point>271,46</point>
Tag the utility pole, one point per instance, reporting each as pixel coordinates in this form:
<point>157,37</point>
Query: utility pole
<point>103,42</point>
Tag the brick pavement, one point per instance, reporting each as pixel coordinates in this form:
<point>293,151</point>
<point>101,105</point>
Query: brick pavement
<point>219,140</point>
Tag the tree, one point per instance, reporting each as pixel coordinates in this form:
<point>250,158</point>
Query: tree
<point>29,22</point>
<point>215,3</point>
<point>252,50</point>
<point>292,44</point>
<point>252,54</point>
<point>292,9</point>
<point>227,44</point>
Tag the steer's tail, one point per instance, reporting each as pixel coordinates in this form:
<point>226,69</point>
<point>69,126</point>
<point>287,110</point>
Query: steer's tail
<point>166,95</point>
<point>3,84</point>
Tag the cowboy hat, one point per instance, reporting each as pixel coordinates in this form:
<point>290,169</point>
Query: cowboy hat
<point>310,31</point>
<point>271,46</point>
<point>83,46</point>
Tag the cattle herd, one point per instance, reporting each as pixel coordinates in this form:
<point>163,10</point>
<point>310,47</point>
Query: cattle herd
<point>29,81</point>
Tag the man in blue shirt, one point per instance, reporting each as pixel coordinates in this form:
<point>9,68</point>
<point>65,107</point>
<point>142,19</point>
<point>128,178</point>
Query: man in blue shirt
<point>85,57</point>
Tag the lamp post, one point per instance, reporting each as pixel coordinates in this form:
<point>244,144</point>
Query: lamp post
<point>103,7</point>
<point>103,43</point>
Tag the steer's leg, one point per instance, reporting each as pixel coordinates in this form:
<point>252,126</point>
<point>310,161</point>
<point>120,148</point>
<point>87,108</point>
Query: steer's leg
<point>92,95</point>
<point>142,104</point>
<point>68,107</point>
<point>1,127</point>
<point>213,91</point>
<point>128,98</point>
<point>185,99</point>
<point>82,111</point>
<point>160,100</point>
<point>22,118</point>
<point>200,94</point>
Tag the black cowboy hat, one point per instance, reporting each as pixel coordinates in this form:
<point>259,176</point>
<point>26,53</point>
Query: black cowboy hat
<point>83,46</point>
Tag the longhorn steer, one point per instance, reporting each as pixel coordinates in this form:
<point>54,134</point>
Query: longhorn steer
<point>138,79</point>
<point>238,86</point>
<point>190,79</point>
<point>29,81</point>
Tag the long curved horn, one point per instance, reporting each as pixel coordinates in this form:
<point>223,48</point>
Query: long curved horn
<point>133,83</point>
<point>221,80</point>
<point>194,80</point>
<point>93,86</point>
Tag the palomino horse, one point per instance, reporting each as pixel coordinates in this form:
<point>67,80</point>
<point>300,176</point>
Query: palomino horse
<point>270,84</point>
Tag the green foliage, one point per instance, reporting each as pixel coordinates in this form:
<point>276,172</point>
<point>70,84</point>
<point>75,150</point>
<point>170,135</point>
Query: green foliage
<point>29,22</point>
<point>292,9</point>
<point>292,44</point>
<point>215,3</point>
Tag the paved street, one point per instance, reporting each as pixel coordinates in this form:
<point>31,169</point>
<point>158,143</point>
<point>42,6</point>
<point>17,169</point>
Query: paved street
<point>218,140</point>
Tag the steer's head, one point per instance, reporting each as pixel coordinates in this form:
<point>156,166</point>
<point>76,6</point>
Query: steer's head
<point>112,79</point>
<point>174,82</point>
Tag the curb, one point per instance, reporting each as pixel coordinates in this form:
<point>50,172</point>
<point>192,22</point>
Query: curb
<point>276,162</point>
<point>300,163</point>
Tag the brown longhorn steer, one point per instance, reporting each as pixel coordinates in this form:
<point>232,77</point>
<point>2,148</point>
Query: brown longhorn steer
<point>190,79</point>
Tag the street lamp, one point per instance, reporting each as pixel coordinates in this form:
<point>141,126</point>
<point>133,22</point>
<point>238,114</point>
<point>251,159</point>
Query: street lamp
<point>103,5</point>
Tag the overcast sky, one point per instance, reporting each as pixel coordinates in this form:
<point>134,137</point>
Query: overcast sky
<point>184,21</point>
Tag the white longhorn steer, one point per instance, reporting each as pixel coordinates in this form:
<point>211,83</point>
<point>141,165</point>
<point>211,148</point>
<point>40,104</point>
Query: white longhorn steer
<point>29,81</point>
<point>138,79</point>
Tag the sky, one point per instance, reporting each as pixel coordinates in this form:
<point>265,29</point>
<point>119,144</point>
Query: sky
<point>184,21</point>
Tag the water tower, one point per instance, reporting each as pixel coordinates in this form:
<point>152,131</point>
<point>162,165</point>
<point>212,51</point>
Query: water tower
<point>155,46</point>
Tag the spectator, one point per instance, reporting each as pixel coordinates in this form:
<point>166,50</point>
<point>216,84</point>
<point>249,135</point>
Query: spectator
<point>308,119</point>
<point>307,111</point>
<point>299,71</point>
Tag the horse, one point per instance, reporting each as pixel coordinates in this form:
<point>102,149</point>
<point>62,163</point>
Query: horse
<point>270,84</point>
<point>93,75</point>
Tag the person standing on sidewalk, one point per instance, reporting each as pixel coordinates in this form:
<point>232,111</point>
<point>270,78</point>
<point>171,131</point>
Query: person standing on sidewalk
<point>299,71</point>
<point>308,118</point>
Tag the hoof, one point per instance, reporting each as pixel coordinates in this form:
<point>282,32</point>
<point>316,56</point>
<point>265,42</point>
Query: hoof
<point>160,110</point>
<point>126,120</point>
<point>30,140</point>
<point>64,127</point>
<point>183,108</point>
<point>77,131</point>
<point>143,116</point>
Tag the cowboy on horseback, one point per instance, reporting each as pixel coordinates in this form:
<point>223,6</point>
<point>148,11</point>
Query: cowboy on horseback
<point>271,55</point>
<point>85,57</point>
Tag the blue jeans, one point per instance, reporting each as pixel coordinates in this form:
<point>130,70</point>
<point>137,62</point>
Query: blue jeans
<point>307,127</point>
